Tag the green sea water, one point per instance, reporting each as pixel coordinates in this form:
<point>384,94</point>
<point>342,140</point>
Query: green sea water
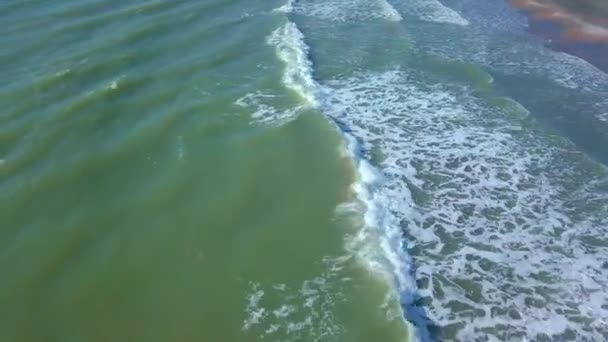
<point>140,203</point>
<point>339,170</point>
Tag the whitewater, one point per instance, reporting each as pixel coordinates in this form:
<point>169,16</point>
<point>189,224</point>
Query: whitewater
<point>458,180</point>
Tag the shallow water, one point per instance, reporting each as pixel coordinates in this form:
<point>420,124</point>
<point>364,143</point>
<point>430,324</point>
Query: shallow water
<point>339,170</point>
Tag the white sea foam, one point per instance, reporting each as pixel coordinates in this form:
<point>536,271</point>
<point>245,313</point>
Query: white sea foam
<point>254,311</point>
<point>434,11</point>
<point>349,10</point>
<point>304,312</point>
<point>378,243</point>
<point>265,110</point>
<point>502,251</point>
<point>293,52</point>
<point>388,11</point>
<point>500,237</point>
<point>283,311</point>
<point>291,49</point>
<point>287,7</point>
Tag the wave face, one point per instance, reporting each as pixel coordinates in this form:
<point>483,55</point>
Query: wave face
<point>291,50</point>
<point>377,242</point>
<point>432,11</point>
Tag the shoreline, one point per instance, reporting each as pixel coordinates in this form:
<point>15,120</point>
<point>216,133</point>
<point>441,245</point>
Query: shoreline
<point>577,32</point>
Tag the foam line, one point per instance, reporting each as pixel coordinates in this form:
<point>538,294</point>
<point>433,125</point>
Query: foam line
<point>379,243</point>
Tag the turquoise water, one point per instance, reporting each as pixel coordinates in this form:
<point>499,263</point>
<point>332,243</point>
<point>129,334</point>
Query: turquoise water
<point>338,170</point>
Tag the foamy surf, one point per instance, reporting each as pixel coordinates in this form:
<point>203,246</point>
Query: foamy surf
<point>347,10</point>
<point>488,220</point>
<point>492,233</point>
<point>388,11</point>
<point>265,111</point>
<point>378,241</point>
<point>293,52</point>
<point>433,11</point>
<point>287,7</point>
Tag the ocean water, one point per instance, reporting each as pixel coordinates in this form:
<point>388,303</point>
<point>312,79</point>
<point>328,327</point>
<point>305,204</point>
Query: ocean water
<point>298,170</point>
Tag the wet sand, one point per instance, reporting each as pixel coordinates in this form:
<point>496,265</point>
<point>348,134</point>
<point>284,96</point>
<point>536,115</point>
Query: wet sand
<point>579,27</point>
